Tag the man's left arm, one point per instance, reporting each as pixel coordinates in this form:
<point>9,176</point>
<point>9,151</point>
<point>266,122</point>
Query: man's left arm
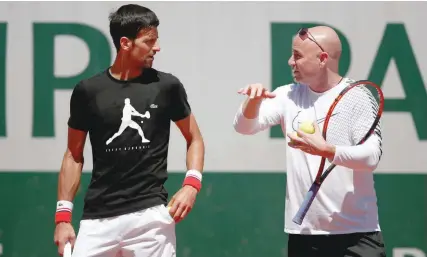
<point>183,201</point>
<point>195,144</point>
<point>364,157</point>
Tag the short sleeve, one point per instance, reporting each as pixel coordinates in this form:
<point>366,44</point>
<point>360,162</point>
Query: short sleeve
<point>79,109</point>
<point>180,108</point>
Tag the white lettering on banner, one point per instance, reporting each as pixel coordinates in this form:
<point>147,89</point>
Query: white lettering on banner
<point>408,252</point>
<point>246,63</point>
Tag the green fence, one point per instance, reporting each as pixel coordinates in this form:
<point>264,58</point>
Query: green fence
<point>236,214</point>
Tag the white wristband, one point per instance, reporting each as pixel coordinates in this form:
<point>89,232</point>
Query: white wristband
<point>64,206</point>
<point>195,174</point>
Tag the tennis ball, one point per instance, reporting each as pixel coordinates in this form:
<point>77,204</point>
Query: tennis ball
<point>307,127</point>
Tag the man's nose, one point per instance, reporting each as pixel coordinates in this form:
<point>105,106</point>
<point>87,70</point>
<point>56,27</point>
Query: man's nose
<point>291,61</point>
<point>156,47</point>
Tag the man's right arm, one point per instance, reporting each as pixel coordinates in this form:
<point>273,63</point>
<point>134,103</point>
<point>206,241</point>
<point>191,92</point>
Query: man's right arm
<point>78,126</point>
<point>72,165</point>
<point>259,111</point>
<point>68,184</point>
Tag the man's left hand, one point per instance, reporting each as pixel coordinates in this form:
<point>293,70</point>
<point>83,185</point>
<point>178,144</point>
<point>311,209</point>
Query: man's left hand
<point>182,202</point>
<point>313,144</point>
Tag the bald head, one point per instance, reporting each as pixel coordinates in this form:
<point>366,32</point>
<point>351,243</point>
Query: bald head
<point>309,63</point>
<point>328,39</point>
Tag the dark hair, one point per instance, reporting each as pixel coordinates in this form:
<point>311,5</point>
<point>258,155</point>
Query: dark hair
<point>128,20</point>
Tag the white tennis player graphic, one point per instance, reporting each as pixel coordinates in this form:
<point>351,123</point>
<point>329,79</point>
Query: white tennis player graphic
<point>128,112</point>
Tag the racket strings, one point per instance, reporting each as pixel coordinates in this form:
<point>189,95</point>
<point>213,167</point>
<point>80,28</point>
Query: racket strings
<point>352,117</point>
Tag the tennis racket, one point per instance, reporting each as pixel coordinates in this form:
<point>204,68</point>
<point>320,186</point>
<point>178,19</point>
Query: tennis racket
<point>67,250</point>
<point>353,117</point>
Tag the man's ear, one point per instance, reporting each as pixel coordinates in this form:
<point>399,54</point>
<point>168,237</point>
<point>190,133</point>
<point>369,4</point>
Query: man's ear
<point>324,56</point>
<point>125,43</point>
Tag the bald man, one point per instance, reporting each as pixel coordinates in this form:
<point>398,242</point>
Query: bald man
<point>343,219</point>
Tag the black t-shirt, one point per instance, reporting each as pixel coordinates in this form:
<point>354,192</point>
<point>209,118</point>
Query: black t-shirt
<point>129,127</point>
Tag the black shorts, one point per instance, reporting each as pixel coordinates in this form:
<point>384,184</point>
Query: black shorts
<point>370,244</point>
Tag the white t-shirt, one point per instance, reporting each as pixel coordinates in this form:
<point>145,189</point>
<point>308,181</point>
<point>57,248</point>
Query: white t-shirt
<point>346,201</point>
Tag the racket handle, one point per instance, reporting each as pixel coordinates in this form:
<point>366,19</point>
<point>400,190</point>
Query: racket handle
<point>67,250</point>
<point>309,197</point>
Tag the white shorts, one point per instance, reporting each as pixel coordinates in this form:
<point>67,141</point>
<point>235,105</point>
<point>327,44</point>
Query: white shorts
<point>146,233</point>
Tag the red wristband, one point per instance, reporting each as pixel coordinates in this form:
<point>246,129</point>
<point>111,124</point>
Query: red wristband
<point>193,178</point>
<point>194,182</point>
<point>64,211</point>
<point>63,216</point>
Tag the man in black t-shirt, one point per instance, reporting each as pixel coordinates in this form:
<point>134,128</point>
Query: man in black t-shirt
<point>127,110</point>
